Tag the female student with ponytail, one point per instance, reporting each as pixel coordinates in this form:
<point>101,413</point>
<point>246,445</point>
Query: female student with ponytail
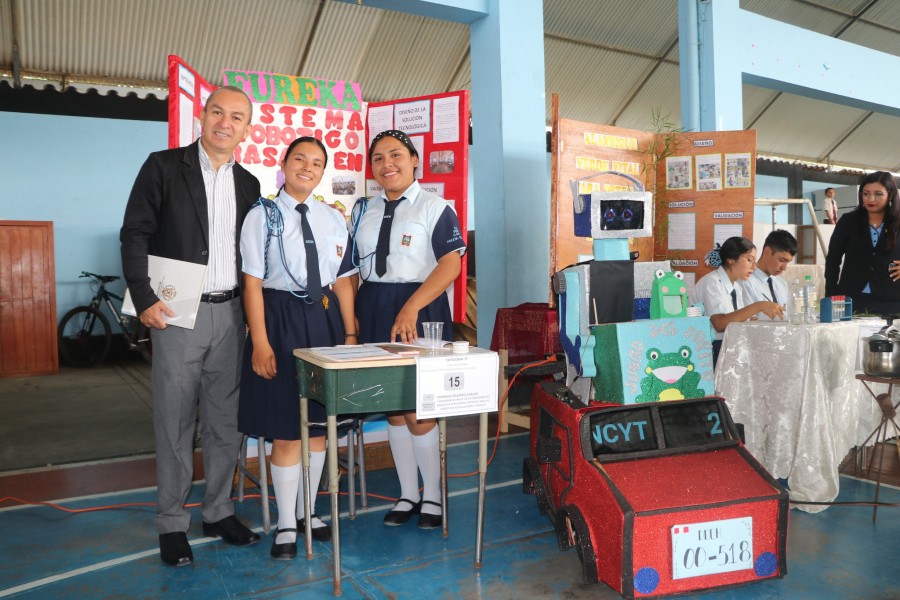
<point>294,249</point>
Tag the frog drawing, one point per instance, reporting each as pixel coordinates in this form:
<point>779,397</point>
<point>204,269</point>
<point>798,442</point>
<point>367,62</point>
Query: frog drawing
<point>670,376</point>
<point>668,295</point>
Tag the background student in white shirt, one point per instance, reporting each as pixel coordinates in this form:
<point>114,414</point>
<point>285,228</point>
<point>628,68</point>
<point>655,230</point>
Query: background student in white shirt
<point>778,251</point>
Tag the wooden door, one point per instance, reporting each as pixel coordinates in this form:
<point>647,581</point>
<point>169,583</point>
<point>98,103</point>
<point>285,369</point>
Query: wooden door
<point>27,299</point>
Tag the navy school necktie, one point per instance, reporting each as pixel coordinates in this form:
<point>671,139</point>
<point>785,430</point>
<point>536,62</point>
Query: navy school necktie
<point>734,298</point>
<point>772,289</point>
<point>313,279</point>
<point>384,237</point>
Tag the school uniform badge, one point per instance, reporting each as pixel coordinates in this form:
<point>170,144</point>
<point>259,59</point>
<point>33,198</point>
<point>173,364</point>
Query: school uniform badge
<point>339,249</point>
<point>406,240</point>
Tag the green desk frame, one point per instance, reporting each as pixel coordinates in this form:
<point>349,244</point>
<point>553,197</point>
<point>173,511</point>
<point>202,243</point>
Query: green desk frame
<point>366,387</point>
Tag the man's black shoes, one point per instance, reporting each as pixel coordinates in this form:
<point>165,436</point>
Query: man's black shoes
<point>174,549</point>
<point>232,531</point>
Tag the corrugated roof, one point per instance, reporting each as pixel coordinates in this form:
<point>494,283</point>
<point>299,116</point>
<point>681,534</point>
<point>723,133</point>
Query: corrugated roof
<point>610,61</point>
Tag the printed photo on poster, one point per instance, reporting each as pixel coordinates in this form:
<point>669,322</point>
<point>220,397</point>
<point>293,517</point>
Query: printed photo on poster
<point>683,231</point>
<point>737,170</point>
<point>709,172</point>
<point>343,185</point>
<point>441,161</point>
<point>678,173</point>
<point>413,117</point>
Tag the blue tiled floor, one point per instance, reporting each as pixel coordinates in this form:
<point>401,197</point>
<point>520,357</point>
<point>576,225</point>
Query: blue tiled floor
<point>838,553</point>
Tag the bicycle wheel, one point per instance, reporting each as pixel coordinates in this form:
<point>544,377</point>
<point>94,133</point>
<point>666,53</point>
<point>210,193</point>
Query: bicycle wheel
<point>142,333</point>
<point>84,337</point>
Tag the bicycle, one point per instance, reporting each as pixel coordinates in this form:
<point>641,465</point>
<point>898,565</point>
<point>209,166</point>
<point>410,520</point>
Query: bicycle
<point>84,332</point>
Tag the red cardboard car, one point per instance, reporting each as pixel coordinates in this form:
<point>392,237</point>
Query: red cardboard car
<point>657,498</point>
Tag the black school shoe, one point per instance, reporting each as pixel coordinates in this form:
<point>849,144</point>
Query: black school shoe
<point>232,531</point>
<point>286,551</point>
<point>399,517</point>
<point>429,521</point>
<point>320,534</point>
<point>174,549</point>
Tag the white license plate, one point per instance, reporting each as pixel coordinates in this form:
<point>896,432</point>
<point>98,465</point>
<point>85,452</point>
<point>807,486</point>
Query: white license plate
<point>712,547</point>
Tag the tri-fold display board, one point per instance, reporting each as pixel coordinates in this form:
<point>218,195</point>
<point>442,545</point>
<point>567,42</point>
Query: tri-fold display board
<point>286,107</point>
<point>702,185</point>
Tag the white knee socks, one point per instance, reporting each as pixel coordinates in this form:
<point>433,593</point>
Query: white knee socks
<point>286,480</point>
<point>428,458</point>
<point>316,466</point>
<point>401,442</point>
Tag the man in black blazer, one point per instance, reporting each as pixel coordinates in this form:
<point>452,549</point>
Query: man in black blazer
<point>189,204</point>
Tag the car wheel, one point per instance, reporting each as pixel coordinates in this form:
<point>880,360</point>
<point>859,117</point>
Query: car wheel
<point>577,531</point>
<point>532,483</point>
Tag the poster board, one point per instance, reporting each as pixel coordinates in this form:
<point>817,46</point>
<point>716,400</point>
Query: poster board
<point>284,108</point>
<point>702,185</point>
<point>188,92</point>
<point>438,126</point>
<point>579,149</point>
<point>704,195</point>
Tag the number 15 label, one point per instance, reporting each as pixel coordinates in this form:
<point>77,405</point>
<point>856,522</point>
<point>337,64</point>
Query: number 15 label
<point>454,381</point>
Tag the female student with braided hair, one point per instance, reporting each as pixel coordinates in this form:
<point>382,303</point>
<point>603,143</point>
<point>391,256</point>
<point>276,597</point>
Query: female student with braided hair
<point>293,248</point>
<point>408,247</point>
<point>723,301</point>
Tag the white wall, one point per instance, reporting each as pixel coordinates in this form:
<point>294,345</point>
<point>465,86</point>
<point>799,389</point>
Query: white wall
<point>76,172</point>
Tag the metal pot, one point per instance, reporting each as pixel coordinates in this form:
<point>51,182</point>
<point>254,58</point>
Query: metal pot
<point>881,353</point>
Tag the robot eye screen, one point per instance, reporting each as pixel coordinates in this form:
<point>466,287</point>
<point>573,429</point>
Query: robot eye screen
<point>621,215</point>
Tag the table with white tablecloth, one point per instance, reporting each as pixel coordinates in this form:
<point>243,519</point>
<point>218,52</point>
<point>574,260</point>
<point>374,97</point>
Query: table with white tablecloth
<point>793,388</point>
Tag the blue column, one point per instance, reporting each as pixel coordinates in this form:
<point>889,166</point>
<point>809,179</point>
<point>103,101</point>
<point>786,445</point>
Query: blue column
<point>721,94</point>
<point>508,157</point>
<point>689,64</point>
<point>735,47</point>
<point>511,184</point>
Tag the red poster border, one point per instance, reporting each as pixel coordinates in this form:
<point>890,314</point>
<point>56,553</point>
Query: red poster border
<point>175,63</point>
<point>456,184</point>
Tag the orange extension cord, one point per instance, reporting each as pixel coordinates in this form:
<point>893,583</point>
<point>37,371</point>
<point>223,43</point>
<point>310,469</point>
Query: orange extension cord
<point>503,399</point>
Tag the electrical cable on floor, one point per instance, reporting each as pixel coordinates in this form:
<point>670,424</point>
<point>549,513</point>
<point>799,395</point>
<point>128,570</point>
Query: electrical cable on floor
<point>503,400</point>
<point>79,510</point>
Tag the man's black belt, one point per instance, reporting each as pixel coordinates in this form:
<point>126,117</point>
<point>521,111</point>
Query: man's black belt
<point>219,297</point>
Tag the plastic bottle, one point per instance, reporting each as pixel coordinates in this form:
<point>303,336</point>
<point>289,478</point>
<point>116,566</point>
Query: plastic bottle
<point>810,290</point>
<point>796,303</point>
